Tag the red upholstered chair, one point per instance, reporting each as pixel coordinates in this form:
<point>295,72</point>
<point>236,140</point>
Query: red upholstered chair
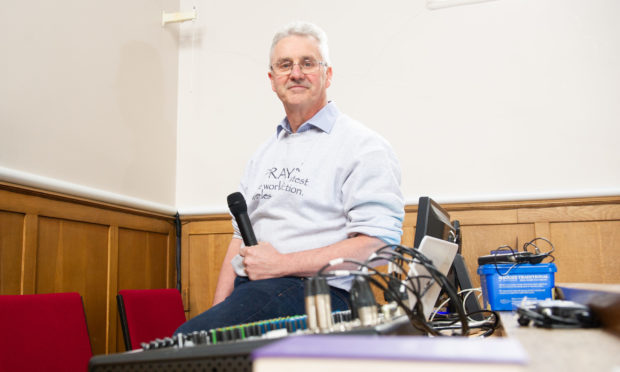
<point>147,314</point>
<point>43,332</point>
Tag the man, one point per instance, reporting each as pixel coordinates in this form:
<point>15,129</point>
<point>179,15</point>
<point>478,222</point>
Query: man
<point>323,187</point>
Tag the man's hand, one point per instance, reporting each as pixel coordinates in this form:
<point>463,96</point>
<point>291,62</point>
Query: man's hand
<point>262,261</point>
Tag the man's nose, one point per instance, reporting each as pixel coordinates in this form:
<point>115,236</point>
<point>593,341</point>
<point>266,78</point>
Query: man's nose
<point>296,73</point>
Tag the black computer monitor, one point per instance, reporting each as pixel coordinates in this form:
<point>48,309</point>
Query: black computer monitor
<point>434,221</point>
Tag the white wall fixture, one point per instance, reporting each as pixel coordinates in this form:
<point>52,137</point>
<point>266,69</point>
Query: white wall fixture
<point>177,17</point>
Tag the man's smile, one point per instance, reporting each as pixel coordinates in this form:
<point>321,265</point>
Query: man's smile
<point>297,87</point>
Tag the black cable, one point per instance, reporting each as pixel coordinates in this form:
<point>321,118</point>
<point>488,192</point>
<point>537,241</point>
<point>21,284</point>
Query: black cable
<point>489,327</point>
<point>416,321</point>
<point>177,223</point>
<point>531,242</point>
<point>416,315</point>
<point>442,280</point>
<point>535,257</point>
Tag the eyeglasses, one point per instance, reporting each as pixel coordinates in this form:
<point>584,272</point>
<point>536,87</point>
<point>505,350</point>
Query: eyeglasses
<point>306,65</point>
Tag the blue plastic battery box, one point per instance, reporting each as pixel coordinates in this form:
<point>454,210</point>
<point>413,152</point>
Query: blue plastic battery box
<point>504,286</point>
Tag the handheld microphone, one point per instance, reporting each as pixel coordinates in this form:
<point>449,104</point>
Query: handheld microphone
<point>238,208</point>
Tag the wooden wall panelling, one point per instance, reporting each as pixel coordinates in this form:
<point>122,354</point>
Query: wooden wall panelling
<point>480,240</point>
<point>610,250</point>
<point>40,239</point>
<point>210,251</point>
<point>485,227</point>
<point>571,239</point>
<point>144,261</point>
<point>409,228</point>
<point>206,245</point>
<point>185,265</point>
<point>114,341</point>
<point>201,272</point>
<point>483,216</point>
<point>29,256</point>
<point>585,237</point>
<point>72,257</point>
<point>563,222</point>
<point>171,266</point>
<point>57,243</point>
<point>41,204</point>
<point>587,251</point>
<point>572,213</point>
<point>542,229</point>
<point>11,250</point>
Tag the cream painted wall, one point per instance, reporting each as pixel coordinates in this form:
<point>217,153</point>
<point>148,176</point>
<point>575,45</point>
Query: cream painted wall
<point>502,100</point>
<point>88,98</point>
<point>493,101</point>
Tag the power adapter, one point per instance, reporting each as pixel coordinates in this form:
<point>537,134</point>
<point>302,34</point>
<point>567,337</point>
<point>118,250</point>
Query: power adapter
<point>557,314</point>
<point>511,257</point>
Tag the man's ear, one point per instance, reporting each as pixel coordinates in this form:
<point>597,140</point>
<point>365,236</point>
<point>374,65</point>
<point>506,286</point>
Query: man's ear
<point>271,78</point>
<point>328,75</point>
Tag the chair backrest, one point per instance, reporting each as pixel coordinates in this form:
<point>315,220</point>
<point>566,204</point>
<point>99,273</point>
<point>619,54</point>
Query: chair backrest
<point>147,314</point>
<point>43,332</point>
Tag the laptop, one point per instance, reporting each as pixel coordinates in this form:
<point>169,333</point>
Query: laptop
<point>441,253</point>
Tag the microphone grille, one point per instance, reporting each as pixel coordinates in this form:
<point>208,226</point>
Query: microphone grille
<point>236,203</point>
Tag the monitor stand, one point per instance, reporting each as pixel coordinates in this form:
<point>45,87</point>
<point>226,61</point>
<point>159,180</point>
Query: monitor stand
<point>462,281</point>
<point>459,276</point>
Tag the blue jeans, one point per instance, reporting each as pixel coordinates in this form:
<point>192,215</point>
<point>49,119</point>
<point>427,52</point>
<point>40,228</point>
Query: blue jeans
<point>254,300</point>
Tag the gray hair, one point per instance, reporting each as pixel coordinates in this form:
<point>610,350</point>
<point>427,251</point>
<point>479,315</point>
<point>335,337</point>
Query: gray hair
<point>302,28</point>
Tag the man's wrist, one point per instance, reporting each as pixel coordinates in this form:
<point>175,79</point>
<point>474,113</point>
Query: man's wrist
<point>288,264</point>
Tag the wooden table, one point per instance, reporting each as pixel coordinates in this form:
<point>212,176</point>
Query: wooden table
<point>567,350</point>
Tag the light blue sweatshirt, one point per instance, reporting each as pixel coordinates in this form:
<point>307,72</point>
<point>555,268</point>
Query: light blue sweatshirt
<point>331,180</point>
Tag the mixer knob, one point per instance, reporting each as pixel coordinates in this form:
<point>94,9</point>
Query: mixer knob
<point>203,338</point>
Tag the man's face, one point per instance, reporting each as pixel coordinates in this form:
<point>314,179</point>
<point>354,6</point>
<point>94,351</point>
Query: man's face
<point>297,88</point>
